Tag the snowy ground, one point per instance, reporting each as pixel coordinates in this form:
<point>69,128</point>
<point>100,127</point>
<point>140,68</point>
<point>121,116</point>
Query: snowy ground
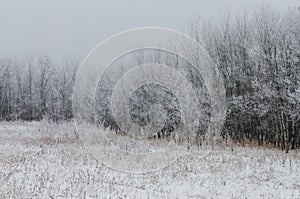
<point>42,160</point>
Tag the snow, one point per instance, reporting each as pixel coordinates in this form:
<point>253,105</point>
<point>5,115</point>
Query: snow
<point>45,160</point>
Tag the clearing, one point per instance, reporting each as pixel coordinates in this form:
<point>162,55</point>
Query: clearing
<point>38,159</point>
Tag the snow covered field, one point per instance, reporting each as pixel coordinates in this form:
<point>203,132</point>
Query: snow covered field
<point>44,160</point>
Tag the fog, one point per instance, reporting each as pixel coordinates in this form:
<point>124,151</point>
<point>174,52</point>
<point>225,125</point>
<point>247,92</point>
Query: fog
<point>72,28</point>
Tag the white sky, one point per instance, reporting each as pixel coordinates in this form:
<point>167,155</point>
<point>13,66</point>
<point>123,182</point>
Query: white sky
<point>63,28</point>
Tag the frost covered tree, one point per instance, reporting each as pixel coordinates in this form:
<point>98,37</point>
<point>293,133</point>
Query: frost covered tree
<point>258,55</point>
<point>36,88</point>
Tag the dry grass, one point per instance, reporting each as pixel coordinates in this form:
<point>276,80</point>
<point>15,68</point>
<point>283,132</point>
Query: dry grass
<point>48,162</point>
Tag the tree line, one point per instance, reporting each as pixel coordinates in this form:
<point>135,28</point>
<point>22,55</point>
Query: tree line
<point>36,88</point>
<point>258,54</point>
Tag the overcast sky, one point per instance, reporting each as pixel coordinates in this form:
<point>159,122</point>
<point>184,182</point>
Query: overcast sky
<point>63,28</point>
